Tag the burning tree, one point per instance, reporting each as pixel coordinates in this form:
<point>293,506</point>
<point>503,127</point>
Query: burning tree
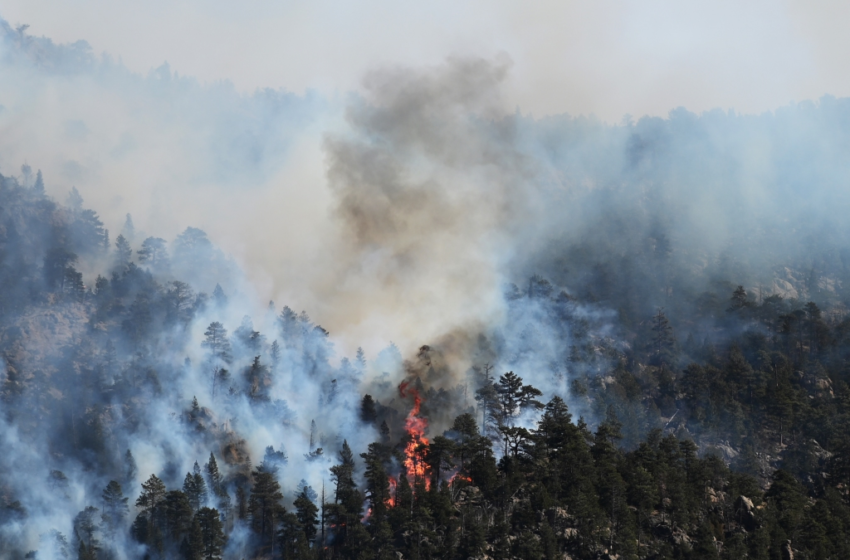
<point>380,489</point>
<point>416,468</point>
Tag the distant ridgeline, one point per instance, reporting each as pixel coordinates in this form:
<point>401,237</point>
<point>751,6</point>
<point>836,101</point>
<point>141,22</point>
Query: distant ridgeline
<point>717,426</point>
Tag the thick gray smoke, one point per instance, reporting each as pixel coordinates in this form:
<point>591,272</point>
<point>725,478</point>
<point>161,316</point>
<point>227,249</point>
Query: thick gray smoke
<point>429,185</point>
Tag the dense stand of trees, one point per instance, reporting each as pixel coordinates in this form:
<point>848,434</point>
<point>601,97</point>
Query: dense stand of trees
<point>562,489</point>
<point>718,429</point>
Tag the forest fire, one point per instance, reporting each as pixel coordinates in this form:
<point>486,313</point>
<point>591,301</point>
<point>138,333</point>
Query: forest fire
<point>415,426</point>
<point>456,477</point>
<point>391,501</point>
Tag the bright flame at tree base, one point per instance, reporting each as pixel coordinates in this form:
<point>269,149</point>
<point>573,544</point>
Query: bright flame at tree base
<point>393,484</point>
<point>415,426</point>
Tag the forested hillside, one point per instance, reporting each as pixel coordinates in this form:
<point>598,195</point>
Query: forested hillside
<point>129,413</point>
<point>615,341</point>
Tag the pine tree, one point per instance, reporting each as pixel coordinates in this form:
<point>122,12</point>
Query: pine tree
<point>663,341</point>
<point>739,300</point>
<point>153,492</point>
<point>215,340</point>
<point>129,230</point>
<point>343,473</point>
<point>258,381</point>
<point>123,252</point>
<point>195,488</point>
<point>274,353</point>
<point>56,263</point>
<point>192,547</point>
<point>513,396</point>
<point>216,486</point>
<point>438,456</point>
<point>488,400</point>
<point>73,284</point>
<point>307,513</point>
<point>212,533</point>
<point>149,526</point>
<point>178,514</point>
<point>293,541</point>
<point>101,290</point>
<point>380,498</point>
<point>264,505</point>
<point>348,503</point>
<point>153,252</point>
<point>180,299</point>
<point>368,412</point>
<point>789,498</point>
<point>85,529</point>
<point>377,480</point>
<point>466,430</point>
<point>114,508</point>
<point>611,486</point>
<point>219,298</point>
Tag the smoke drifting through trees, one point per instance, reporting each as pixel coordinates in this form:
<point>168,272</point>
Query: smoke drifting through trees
<point>593,262</point>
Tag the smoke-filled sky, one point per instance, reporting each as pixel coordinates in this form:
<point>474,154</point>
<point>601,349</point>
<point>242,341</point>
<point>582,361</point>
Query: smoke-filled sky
<point>365,185</point>
<point>609,58</point>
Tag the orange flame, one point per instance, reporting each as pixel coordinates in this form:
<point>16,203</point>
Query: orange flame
<point>415,427</point>
<point>391,500</point>
<point>457,476</point>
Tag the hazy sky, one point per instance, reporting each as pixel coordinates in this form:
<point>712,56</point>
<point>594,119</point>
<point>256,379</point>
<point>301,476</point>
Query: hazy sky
<point>187,159</point>
<point>605,57</point>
